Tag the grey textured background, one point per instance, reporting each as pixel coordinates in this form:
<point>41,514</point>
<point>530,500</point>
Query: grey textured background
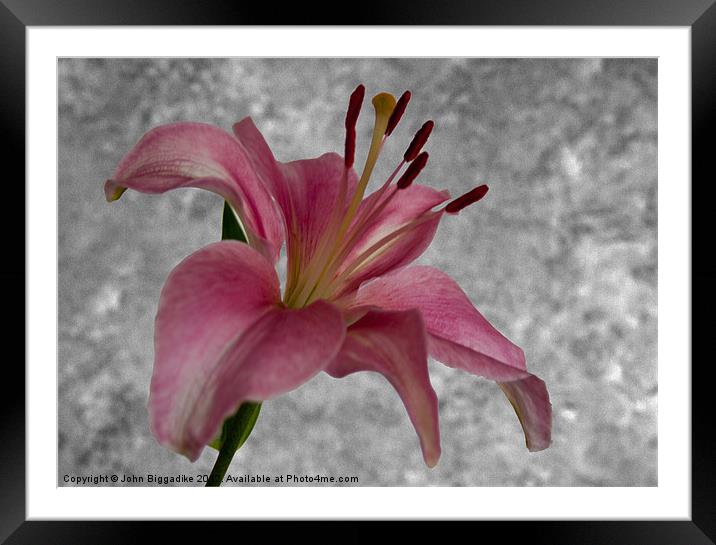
<point>561,256</point>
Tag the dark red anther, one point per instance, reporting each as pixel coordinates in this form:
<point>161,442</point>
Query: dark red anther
<point>413,170</point>
<point>354,105</point>
<point>398,112</point>
<point>350,155</point>
<point>418,141</point>
<point>466,200</point>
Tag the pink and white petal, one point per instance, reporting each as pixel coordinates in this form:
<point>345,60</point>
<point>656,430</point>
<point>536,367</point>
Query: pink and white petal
<point>394,344</point>
<point>206,157</point>
<point>283,349</point>
<point>459,336</point>
<point>407,205</point>
<point>208,299</point>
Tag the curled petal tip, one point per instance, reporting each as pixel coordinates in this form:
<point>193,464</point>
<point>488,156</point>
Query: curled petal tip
<point>113,191</point>
<point>530,400</point>
<point>538,448</point>
<point>431,459</point>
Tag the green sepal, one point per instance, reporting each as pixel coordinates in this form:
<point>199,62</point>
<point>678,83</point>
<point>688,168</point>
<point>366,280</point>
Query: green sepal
<point>242,423</point>
<point>230,227</point>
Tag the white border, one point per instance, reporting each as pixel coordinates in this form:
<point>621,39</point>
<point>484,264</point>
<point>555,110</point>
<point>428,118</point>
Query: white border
<point>670,500</point>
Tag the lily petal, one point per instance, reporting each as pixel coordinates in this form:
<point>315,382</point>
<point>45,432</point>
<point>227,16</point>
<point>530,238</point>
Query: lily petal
<point>283,349</point>
<point>407,205</point>
<point>221,338</point>
<point>307,191</point>
<point>261,156</point>
<point>314,188</point>
<point>394,344</point>
<point>208,299</point>
<point>206,157</point>
<point>459,336</point>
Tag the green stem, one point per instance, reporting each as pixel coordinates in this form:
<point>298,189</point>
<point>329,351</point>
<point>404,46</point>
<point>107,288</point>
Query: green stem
<point>235,431</point>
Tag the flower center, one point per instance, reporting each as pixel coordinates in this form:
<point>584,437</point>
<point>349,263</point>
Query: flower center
<point>327,269</point>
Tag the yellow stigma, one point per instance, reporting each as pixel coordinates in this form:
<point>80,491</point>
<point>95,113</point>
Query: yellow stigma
<point>384,104</point>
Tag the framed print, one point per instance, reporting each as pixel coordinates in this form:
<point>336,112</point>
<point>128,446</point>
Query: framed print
<point>179,338</point>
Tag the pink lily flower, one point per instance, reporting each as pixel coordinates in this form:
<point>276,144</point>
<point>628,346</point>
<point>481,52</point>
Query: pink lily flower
<point>224,332</point>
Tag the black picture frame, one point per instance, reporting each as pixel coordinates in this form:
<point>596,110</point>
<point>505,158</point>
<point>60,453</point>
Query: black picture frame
<point>17,15</point>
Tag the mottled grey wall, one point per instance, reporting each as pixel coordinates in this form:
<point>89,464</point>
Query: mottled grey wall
<point>561,256</point>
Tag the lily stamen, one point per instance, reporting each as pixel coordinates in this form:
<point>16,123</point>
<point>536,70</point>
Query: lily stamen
<point>453,207</point>
<point>354,106</point>
<point>320,277</point>
<point>413,170</point>
<point>384,104</point>
<point>419,140</point>
<point>368,217</point>
<point>379,246</point>
<point>296,287</point>
<point>371,211</point>
<point>398,112</point>
<point>318,280</point>
<point>463,201</point>
<point>379,204</point>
